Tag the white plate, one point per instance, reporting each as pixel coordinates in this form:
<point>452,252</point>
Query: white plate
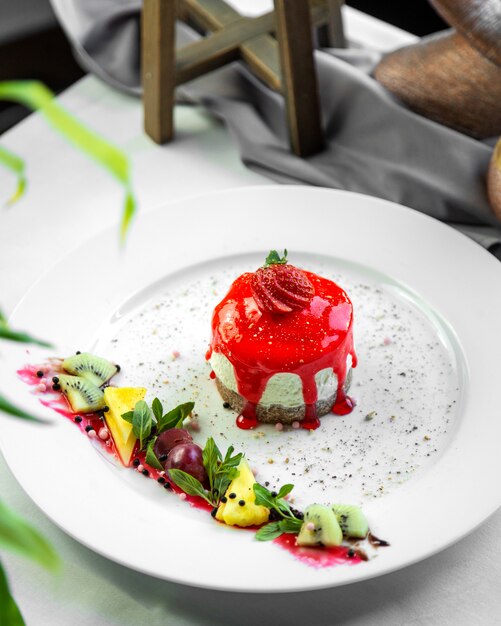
<point>427,305</point>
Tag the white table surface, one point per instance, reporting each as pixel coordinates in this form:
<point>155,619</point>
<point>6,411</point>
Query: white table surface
<point>68,201</point>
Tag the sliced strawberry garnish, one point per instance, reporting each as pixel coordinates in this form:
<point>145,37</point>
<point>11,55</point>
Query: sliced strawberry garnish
<point>263,295</point>
<point>293,284</point>
<point>281,288</point>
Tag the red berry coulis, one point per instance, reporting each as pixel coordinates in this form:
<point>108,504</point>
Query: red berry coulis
<point>319,558</point>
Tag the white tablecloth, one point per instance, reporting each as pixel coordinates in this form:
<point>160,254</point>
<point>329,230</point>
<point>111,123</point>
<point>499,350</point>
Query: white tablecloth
<point>68,201</point>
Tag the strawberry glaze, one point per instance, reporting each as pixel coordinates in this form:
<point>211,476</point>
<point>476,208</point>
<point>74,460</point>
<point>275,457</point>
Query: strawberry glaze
<point>261,344</point>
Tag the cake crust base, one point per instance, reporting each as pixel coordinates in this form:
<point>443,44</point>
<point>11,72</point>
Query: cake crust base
<point>277,413</point>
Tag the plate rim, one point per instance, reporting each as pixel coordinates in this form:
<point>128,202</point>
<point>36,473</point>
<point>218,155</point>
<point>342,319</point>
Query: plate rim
<point>230,192</point>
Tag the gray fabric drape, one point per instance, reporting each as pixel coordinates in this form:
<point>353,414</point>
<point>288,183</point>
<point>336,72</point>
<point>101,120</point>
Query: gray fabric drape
<point>374,145</point>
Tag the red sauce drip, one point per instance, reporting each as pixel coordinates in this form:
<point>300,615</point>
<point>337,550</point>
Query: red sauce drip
<point>310,423</point>
<point>343,405</point>
<point>212,375</point>
<point>261,344</point>
<point>317,557</point>
<point>246,422</point>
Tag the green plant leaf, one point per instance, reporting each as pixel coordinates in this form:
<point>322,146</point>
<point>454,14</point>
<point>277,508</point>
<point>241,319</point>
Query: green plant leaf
<point>290,526</point>
<point>141,421</point>
<point>12,162</point>
<point>14,335</point>
<point>16,535</point>
<point>175,418</point>
<point>157,409</point>
<point>188,484</point>
<point>228,454</point>
<point>282,506</point>
<point>10,615</point>
<point>263,496</point>
<point>129,211</point>
<point>37,96</point>
<point>151,457</point>
<point>128,416</point>
<point>11,409</point>
<point>210,458</point>
<point>284,491</point>
<point>223,480</point>
<point>227,471</point>
<point>231,461</point>
<point>269,532</point>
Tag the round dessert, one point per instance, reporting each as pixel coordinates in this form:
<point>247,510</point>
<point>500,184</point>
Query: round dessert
<point>282,346</point>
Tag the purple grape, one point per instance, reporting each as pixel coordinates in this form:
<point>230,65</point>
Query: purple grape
<point>188,458</point>
<point>170,439</point>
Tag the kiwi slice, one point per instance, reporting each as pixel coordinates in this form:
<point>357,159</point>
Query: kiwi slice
<point>320,526</point>
<point>93,368</point>
<point>83,396</point>
<point>351,519</point>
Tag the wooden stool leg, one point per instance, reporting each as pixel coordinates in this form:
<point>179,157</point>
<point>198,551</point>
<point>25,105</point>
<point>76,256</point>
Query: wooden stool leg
<point>158,68</point>
<point>332,34</point>
<point>300,88</point>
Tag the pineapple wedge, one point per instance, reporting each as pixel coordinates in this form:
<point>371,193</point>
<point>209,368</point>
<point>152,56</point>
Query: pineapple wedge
<point>235,514</point>
<point>120,400</point>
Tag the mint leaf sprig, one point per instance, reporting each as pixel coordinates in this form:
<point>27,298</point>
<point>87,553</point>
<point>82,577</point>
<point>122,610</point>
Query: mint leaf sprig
<point>289,522</point>
<point>220,472</point>
<point>190,485</point>
<point>148,423</point>
<point>274,258</point>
